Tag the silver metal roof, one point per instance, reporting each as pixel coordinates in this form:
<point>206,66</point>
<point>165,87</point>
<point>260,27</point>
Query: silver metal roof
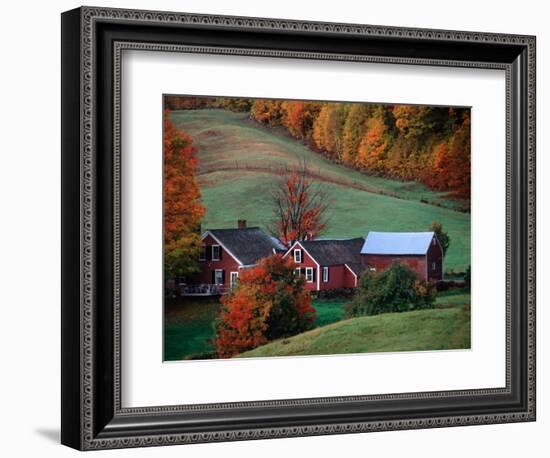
<point>397,243</point>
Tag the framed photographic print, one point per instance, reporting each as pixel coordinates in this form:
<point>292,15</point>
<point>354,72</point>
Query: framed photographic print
<point>277,228</point>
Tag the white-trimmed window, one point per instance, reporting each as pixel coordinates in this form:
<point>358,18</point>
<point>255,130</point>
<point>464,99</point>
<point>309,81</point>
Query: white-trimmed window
<point>325,274</point>
<point>309,274</point>
<point>218,277</point>
<point>297,256</point>
<point>234,278</point>
<point>202,254</point>
<point>297,271</point>
<point>216,251</point>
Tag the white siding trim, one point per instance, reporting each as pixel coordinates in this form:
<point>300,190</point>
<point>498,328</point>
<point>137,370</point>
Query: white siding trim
<point>311,257</point>
<point>353,273</point>
<point>301,246</point>
<point>318,279</point>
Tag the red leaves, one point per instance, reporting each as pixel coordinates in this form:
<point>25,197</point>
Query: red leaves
<point>300,207</point>
<point>251,314</point>
<point>182,208</point>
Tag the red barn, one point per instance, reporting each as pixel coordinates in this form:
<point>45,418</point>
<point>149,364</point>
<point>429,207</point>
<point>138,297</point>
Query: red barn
<point>328,264</point>
<point>224,253</point>
<point>420,251</point>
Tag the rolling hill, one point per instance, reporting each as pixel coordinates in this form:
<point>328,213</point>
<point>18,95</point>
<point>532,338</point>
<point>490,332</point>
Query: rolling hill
<point>435,329</point>
<point>239,161</point>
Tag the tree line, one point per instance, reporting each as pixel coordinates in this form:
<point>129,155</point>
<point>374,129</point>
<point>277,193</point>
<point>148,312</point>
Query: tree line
<point>409,142</point>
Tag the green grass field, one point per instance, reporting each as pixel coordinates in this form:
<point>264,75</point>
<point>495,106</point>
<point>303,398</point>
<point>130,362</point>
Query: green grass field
<point>435,329</point>
<point>189,325</point>
<point>228,142</point>
<point>453,297</point>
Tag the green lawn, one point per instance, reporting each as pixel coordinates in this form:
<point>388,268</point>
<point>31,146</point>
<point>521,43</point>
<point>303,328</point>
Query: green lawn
<point>435,329</point>
<point>189,329</point>
<point>189,325</point>
<point>453,297</point>
<point>328,311</point>
<point>227,140</point>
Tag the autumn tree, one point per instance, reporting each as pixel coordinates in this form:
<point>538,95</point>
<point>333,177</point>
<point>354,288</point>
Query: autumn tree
<point>269,302</point>
<point>267,111</point>
<point>451,162</point>
<point>328,128</point>
<point>300,206</point>
<point>299,116</point>
<point>374,145</point>
<point>182,208</point>
<point>354,128</point>
<point>234,104</point>
<point>442,236</point>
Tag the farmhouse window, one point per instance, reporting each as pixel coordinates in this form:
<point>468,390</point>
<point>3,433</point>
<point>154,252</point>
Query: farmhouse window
<point>297,271</point>
<point>218,277</point>
<point>297,256</point>
<point>202,254</point>
<point>234,278</point>
<point>216,253</point>
<point>325,274</point>
<point>433,265</point>
<point>309,274</point>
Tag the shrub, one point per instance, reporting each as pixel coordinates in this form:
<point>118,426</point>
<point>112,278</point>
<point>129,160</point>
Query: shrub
<point>269,302</point>
<point>397,289</point>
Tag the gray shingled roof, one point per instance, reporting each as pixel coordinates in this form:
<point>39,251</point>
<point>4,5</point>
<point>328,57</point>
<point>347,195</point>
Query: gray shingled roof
<point>248,245</point>
<point>334,252</point>
<point>356,267</point>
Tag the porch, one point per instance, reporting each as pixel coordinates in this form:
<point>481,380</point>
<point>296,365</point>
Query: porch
<point>202,289</point>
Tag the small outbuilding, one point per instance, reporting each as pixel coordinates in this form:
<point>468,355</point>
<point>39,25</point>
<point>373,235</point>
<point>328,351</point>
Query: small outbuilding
<point>420,251</point>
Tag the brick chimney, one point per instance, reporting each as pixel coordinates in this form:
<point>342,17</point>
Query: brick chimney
<point>241,224</point>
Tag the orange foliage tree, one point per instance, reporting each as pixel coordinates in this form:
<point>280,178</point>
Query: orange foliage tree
<point>182,207</point>
<point>268,112</point>
<point>300,206</point>
<point>451,163</point>
<point>329,127</point>
<point>299,116</point>
<point>269,302</point>
<point>374,145</point>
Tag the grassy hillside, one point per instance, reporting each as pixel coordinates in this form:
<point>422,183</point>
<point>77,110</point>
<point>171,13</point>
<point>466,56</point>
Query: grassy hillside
<point>238,159</point>
<point>437,329</point>
<point>189,324</point>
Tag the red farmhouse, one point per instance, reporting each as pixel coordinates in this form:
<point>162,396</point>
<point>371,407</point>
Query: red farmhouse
<point>328,264</point>
<point>325,264</point>
<point>224,253</point>
<point>420,251</point>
